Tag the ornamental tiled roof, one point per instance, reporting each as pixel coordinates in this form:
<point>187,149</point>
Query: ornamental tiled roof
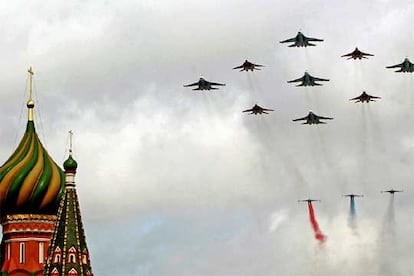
<point>68,252</point>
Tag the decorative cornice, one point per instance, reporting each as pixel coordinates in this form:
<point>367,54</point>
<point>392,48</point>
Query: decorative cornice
<point>28,217</point>
<point>27,239</point>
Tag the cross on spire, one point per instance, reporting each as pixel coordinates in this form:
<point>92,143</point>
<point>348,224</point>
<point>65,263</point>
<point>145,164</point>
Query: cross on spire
<point>31,73</point>
<point>30,103</point>
<point>70,142</point>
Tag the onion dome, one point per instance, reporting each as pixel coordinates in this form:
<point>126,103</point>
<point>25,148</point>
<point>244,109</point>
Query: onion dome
<point>70,164</point>
<point>30,181</point>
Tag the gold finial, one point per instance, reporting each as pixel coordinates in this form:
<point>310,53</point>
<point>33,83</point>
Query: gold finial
<point>70,142</point>
<point>30,102</point>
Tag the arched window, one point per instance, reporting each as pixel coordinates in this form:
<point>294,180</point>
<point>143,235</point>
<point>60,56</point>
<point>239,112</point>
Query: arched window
<point>41,252</point>
<point>85,256</point>
<point>72,258</point>
<point>22,248</point>
<point>57,255</point>
<point>72,255</point>
<point>8,251</point>
<point>56,260</point>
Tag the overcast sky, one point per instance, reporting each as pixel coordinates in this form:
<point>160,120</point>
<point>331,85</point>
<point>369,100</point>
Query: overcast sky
<point>177,182</point>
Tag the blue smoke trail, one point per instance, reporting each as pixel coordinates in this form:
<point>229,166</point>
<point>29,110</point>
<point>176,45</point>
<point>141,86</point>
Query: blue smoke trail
<point>352,216</point>
<point>352,208</point>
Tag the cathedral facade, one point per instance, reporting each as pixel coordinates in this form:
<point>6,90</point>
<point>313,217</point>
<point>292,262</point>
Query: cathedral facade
<point>39,211</point>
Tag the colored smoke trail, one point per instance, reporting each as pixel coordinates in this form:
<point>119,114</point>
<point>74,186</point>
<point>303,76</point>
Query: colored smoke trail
<point>318,233</point>
<point>352,215</point>
<point>352,207</point>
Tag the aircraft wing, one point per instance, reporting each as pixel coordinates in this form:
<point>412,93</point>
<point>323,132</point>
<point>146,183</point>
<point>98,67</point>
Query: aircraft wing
<point>238,67</point>
<point>356,98</point>
<point>193,84</point>
<point>301,119</point>
<point>325,118</point>
<point>258,65</point>
<point>366,54</point>
<point>266,109</point>
<point>374,97</point>
<point>320,79</point>
<point>216,83</point>
<point>313,39</point>
<point>289,40</point>
<point>248,110</point>
<point>395,66</point>
<point>348,55</point>
<point>297,80</point>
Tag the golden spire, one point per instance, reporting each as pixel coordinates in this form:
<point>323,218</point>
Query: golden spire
<point>30,102</point>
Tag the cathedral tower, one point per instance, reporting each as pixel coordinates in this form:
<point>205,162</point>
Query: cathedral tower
<point>31,186</point>
<point>68,253</point>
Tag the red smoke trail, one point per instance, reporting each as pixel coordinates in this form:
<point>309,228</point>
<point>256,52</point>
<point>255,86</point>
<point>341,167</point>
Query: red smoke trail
<point>318,233</point>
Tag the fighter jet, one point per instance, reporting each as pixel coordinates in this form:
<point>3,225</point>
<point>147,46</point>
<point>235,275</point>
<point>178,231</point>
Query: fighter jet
<point>300,40</point>
<point>392,191</point>
<point>405,66</point>
<point>312,118</point>
<point>204,84</point>
<point>247,65</point>
<point>308,80</point>
<point>256,109</point>
<point>364,97</point>
<point>357,54</point>
<point>308,200</point>
<point>353,195</point>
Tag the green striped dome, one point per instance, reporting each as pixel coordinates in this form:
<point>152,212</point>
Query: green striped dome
<point>30,181</point>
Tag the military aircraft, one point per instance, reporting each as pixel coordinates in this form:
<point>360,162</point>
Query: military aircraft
<point>312,118</point>
<point>256,109</point>
<point>300,40</point>
<point>204,84</point>
<point>357,54</point>
<point>308,200</point>
<point>353,195</point>
<point>392,191</point>
<point>247,65</point>
<point>364,97</point>
<point>308,80</point>
<point>405,66</point>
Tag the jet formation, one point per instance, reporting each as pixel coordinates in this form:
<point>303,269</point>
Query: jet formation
<point>248,66</point>
<point>357,54</point>
<point>204,84</point>
<point>300,40</point>
<point>256,109</point>
<point>392,191</point>
<point>364,97</point>
<point>405,66</point>
<point>312,118</point>
<point>308,80</point>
